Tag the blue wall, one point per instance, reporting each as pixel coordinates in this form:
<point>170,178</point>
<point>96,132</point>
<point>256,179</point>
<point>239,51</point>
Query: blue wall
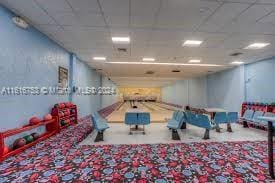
<point>260,81</point>
<point>252,82</point>
<point>226,89</point>
<point>29,58</point>
<point>107,100</point>
<point>186,92</point>
<point>84,76</point>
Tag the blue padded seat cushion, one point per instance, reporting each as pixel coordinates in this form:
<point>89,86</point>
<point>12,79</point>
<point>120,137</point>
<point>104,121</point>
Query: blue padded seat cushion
<point>203,121</point>
<point>220,117</point>
<point>175,114</point>
<point>248,114</point>
<point>144,118</point>
<point>174,124</point>
<point>232,117</point>
<point>267,114</point>
<point>131,118</point>
<point>256,115</point>
<point>100,123</point>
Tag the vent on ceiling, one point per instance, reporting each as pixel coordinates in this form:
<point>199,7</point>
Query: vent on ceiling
<point>122,49</point>
<point>236,54</point>
<point>175,70</point>
<point>149,72</point>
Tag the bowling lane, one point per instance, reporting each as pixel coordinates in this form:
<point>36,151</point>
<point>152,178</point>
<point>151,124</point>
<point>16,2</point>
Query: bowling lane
<point>148,107</point>
<point>157,114</point>
<point>124,107</point>
<point>156,107</point>
<point>168,106</point>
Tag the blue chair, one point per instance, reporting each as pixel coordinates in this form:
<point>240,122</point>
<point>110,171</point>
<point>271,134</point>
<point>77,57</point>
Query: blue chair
<point>257,114</point>
<point>100,124</point>
<point>191,117</point>
<point>232,117</point>
<point>175,123</point>
<point>200,120</point>
<point>247,116</point>
<point>253,118</point>
<point>175,113</point>
<point>137,118</point>
<point>144,119</point>
<point>204,122</point>
<point>131,118</point>
<point>220,118</point>
<point>268,114</point>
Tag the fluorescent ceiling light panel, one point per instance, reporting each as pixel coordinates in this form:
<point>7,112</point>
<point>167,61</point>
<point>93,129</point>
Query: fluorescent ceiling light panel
<point>237,62</point>
<point>148,59</point>
<point>194,61</point>
<point>121,39</point>
<point>192,43</point>
<point>162,63</point>
<point>99,58</point>
<point>257,45</point>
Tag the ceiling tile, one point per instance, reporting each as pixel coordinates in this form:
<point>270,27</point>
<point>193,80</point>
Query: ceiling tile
<point>65,18</point>
<point>266,1</point>
<point>88,34</point>
<point>240,1</point>
<point>85,5</point>
<point>142,21</point>
<point>117,21</point>
<point>54,5</point>
<point>30,10</point>
<point>270,19</point>
<point>254,13</point>
<point>157,29</point>
<point>185,15</point>
<point>50,29</point>
<point>138,8</point>
<point>90,19</point>
<point>225,14</point>
<point>115,7</point>
<point>140,36</point>
<point>248,28</point>
<point>241,41</point>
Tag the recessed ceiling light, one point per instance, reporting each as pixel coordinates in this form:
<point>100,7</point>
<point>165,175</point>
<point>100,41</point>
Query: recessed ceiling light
<point>257,45</point>
<point>148,59</point>
<point>194,61</point>
<point>163,63</point>
<point>192,43</point>
<point>121,39</point>
<point>237,62</point>
<point>99,58</point>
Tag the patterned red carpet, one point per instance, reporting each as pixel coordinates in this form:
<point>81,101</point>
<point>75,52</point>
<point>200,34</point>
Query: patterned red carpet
<point>60,159</point>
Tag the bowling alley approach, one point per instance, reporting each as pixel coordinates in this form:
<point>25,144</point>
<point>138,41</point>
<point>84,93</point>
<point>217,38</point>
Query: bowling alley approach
<point>140,91</point>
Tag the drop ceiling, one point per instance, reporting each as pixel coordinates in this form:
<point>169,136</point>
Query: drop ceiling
<point>157,29</point>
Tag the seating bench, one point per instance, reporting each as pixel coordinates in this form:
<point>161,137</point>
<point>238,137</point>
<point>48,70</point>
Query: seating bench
<point>100,125</point>
<point>137,118</point>
<point>202,121</point>
<point>175,123</point>
<point>251,116</point>
<point>225,118</point>
<point>180,119</point>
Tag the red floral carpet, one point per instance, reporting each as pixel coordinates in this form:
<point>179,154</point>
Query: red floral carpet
<point>60,159</point>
